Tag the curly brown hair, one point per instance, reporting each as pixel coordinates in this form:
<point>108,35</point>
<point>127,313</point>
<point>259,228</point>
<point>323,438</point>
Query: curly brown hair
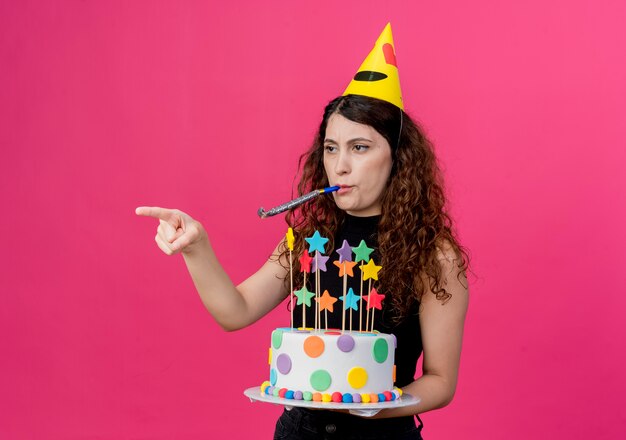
<point>415,231</point>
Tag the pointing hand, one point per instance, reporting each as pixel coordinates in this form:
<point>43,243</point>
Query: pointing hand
<point>177,231</point>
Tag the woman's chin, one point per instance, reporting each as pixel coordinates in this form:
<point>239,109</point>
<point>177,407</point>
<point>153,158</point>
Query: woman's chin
<point>344,206</point>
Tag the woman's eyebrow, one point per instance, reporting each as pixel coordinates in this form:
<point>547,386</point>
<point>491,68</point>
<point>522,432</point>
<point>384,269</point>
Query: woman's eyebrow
<point>358,139</point>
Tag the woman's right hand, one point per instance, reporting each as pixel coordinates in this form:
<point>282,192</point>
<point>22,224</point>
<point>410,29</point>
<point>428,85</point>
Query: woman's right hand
<point>177,231</point>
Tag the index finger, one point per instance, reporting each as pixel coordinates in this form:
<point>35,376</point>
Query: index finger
<point>154,211</point>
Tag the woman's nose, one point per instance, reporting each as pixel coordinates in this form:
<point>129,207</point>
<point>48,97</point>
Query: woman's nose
<point>342,166</point>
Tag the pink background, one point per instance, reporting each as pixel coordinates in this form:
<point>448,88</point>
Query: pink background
<point>206,106</point>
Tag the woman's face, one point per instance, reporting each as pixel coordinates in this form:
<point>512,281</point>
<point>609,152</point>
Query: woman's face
<point>357,158</point>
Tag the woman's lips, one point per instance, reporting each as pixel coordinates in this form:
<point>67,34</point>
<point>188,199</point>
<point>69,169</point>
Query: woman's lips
<point>344,189</point>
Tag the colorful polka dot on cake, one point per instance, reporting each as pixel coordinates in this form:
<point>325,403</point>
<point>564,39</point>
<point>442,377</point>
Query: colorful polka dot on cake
<point>277,339</point>
<point>283,363</point>
<point>345,343</point>
<point>313,346</point>
<point>320,380</point>
<point>357,377</point>
<point>380,350</point>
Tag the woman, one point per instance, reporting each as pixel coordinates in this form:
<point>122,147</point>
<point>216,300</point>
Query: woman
<point>392,198</point>
<point>391,195</point>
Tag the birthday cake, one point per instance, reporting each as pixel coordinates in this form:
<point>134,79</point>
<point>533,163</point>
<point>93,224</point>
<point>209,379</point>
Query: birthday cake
<point>332,366</point>
<point>347,365</point>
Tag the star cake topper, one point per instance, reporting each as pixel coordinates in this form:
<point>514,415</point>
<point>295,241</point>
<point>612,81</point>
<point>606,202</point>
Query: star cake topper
<point>305,262</point>
<point>290,238</point>
<point>345,268</point>
<point>370,270</point>
<point>350,300</point>
<point>304,296</point>
<point>316,242</point>
<point>362,252</point>
<point>319,262</point>
<point>345,252</point>
<point>326,301</point>
<point>374,299</point>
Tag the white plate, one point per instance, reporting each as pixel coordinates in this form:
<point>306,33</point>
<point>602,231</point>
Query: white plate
<point>255,394</point>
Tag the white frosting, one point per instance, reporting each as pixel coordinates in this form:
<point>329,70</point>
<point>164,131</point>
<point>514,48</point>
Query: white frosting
<point>334,361</point>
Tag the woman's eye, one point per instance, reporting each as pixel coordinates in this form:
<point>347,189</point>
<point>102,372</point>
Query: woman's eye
<point>330,148</point>
<point>360,147</point>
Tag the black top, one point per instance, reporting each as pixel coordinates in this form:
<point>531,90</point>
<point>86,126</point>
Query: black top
<point>408,335</point>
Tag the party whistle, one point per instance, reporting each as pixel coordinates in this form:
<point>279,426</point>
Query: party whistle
<point>295,202</point>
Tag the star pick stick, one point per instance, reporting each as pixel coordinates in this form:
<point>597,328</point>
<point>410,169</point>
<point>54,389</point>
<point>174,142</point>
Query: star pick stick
<point>343,309</point>
<point>369,272</point>
<point>345,254</point>
<point>304,299</point>
<point>316,244</point>
<point>326,304</point>
<point>361,253</point>
<point>374,301</point>
<point>319,263</point>
<point>317,291</point>
<point>345,270</point>
<point>290,239</point>
<point>305,266</point>
<point>350,301</point>
<point>361,293</point>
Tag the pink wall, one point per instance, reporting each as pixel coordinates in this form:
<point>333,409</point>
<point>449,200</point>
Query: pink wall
<point>110,105</point>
